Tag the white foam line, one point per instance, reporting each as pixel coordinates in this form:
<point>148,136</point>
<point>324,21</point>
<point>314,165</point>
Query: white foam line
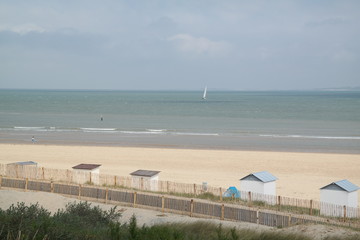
<point>310,137</point>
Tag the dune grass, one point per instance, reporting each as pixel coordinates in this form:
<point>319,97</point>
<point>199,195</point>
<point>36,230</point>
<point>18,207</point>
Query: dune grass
<point>82,221</point>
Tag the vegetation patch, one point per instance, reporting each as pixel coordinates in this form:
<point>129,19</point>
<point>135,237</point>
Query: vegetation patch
<point>80,221</point>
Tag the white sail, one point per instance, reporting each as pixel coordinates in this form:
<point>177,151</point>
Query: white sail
<point>204,95</point>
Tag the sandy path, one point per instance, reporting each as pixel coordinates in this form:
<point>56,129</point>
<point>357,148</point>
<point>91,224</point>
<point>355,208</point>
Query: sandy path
<point>53,202</point>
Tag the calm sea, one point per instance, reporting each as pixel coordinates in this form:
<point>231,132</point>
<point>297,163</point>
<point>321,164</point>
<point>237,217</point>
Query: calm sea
<point>286,121</point>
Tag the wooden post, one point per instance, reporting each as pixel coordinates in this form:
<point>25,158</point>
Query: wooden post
<point>106,195</point>
<point>115,181</point>
<point>279,203</point>
<point>79,197</point>
<point>134,204</point>
<point>311,207</point>
<point>257,217</point>
<point>221,195</point>
<point>249,198</point>
<point>90,177</point>
<point>194,189</point>
<point>162,204</point>
<point>52,186</point>
<point>0,181</point>
<point>344,213</point>
<point>289,222</point>
<point>26,184</point>
<point>17,173</point>
<point>43,173</point>
<point>191,207</point>
<point>222,212</point>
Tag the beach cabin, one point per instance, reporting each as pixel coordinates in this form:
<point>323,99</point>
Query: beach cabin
<point>260,184</point>
<point>145,180</point>
<point>27,169</point>
<point>86,173</point>
<point>342,193</point>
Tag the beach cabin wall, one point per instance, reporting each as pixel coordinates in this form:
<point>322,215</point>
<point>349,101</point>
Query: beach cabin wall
<point>86,173</point>
<point>341,193</point>
<point>27,169</point>
<point>145,180</point>
<point>262,185</point>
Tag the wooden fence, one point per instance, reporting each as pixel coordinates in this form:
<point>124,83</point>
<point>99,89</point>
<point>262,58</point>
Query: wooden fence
<point>172,204</point>
<point>249,199</point>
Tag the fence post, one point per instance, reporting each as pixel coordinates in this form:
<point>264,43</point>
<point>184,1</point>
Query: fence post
<point>26,184</point>
<point>79,197</point>
<point>222,212</point>
<point>344,213</point>
<point>115,180</point>
<point>311,207</point>
<point>43,173</point>
<point>194,189</point>
<point>162,204</point>
<point>106,195</point>
<point>134,204</point>
<point>289,222</point>
<point>90,177</point>
<point>221,195</point>
<point>279,203</point>
<point>257,216</point>
<point>249,198</point>
<point>191,207</point>
<point>52,186</point>
<point>0,181</point>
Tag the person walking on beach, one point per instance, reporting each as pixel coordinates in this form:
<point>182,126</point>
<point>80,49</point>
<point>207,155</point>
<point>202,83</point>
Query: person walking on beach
<point>33,139</point>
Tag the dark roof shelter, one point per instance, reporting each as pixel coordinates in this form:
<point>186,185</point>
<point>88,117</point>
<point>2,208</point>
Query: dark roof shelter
<point>84,166</point>
<point>144,173</point>
<point>26,163</point>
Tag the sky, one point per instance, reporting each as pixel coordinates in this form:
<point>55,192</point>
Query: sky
<point>179,45</point>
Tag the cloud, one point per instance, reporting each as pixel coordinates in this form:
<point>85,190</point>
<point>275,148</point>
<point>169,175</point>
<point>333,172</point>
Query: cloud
<point>200,46</point>
<point>22,29</point>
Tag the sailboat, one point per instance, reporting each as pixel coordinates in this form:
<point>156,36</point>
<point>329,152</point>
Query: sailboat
<point>204,95</point>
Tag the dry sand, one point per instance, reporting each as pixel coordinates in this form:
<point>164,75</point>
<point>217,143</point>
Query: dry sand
<point>300,174</point>
<point>53,202</point>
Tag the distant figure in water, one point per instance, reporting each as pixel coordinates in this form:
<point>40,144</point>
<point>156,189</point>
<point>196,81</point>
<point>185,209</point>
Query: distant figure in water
<point>101,118</point>
<point>33,139</point>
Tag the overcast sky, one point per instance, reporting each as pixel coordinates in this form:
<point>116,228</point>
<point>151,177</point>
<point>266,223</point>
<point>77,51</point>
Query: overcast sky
<point>179,45</point>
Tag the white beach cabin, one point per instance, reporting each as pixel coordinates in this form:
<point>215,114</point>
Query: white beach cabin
<point>342,193</point>
<point>86,173</point>
<point>145,180</point>
<point>27,169</point>
<point>260,184</point>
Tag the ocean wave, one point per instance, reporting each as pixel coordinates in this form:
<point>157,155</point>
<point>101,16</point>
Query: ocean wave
<point>107,130</point>
<point>144,132</point>
<point>311,137</point>
<point>195,134</point>
<point>30,128</point>
<point>156,130</point>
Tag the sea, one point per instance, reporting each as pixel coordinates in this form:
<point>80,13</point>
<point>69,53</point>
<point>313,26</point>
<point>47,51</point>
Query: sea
<point>299,121</point>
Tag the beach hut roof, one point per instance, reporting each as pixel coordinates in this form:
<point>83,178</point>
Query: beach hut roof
<point>144,173</point>
<point>25,163</point>
<point>344,185</point>
<point>263,176</point>
<point>84,166</point>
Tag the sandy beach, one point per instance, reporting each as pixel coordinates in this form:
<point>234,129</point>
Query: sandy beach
<point>300,174</point>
